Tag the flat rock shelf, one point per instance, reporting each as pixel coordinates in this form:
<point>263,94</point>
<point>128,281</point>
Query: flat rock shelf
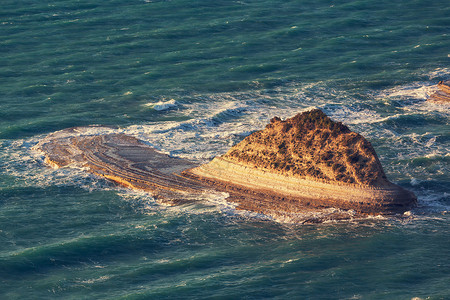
<point>123,159</point>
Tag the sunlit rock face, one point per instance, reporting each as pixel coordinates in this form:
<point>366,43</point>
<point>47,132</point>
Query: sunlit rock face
<point>310,160</point>
<point>311,146</point>
<point>442,95</point>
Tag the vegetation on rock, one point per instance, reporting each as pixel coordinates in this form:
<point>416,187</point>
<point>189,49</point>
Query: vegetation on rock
<point>311,145</point>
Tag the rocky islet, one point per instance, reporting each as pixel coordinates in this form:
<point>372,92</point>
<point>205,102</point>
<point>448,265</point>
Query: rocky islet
<point>302,164</point>
<point>310,160</point>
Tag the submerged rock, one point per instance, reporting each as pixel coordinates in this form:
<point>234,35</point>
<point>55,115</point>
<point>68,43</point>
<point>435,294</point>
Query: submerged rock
<point>306,169</point>
<point>442,95</point>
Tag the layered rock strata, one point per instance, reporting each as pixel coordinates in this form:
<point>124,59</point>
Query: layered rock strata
<point>442,95</point>
<point>291,169</point>
<point>122,159</point>
<point>310,160</point>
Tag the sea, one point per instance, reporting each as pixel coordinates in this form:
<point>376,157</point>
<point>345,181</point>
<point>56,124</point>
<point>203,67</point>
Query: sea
<point>192,78</point>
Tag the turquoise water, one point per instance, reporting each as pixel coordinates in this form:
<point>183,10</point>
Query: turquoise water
<point>193,78</point>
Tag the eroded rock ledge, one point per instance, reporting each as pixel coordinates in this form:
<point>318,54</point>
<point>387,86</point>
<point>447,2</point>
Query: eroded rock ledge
<point>303,164</point>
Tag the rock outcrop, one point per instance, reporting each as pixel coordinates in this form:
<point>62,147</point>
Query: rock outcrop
<point>122,159</point>
<point>311,160</point>
<point>291,169</point>
<point>442,95</point>
<point>310,146</point>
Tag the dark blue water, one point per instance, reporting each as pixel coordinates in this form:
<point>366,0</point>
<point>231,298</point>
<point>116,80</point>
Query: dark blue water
<point>192,78</point>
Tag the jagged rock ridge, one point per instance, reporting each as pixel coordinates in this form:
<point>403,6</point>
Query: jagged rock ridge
<point>310,145</point>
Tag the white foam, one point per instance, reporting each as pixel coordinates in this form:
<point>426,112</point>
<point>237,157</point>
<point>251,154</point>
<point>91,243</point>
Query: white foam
<point>27,166</point>
<point>419,90</point>
<point>439,74</point>
<point>163,105</point>
<point>95,280</point>
<point>415,95</point>
<point>360,117</point>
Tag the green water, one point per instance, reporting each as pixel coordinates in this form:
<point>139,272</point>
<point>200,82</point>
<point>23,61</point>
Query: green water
<point>218,70</point>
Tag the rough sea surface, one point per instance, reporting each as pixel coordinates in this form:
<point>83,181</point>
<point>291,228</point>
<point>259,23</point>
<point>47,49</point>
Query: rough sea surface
<point>192,78</point>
